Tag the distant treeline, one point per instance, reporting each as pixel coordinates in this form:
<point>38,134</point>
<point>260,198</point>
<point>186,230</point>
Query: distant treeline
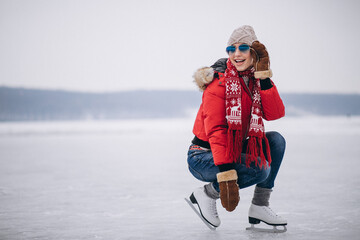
<point>20,104</point>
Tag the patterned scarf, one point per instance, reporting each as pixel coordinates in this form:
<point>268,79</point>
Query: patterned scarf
<point>256,132</point>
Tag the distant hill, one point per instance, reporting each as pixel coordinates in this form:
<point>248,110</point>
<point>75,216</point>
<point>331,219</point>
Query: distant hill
<point>32,104</point>
<point>20,104</point>
<point>322,104</point>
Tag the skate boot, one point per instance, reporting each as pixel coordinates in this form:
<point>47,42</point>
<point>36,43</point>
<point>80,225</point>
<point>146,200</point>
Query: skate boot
<point>206,207</point>
<point>267,215</point>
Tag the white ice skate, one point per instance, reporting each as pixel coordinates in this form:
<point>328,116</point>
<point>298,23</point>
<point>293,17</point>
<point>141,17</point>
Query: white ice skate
<point>268,216</point>
<point>206,208</point>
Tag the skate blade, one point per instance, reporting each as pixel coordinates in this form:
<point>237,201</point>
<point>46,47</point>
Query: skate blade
<point>273,230</point>
<point>211,227</point>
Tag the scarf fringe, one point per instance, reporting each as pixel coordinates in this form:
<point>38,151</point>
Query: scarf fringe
<point>267,145</point>
<point>234,145</point>
<point>255,150</point>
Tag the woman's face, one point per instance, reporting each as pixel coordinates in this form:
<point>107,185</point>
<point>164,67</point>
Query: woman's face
<point>241,60</point>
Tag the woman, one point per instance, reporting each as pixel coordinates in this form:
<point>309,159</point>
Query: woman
<point>230,149</point>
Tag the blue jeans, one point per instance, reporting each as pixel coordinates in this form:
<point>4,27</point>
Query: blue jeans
<point>201,165</point>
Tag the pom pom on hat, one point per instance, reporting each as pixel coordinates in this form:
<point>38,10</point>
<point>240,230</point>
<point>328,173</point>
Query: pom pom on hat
<point>243,34</point>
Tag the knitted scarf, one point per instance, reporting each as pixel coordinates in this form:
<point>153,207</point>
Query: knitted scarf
<point>256,132</point>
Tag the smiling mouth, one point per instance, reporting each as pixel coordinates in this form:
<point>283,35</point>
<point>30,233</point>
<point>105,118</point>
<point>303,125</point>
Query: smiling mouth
<point>239,61</point>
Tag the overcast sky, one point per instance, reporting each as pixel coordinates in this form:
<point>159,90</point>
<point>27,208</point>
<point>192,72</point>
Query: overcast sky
<point>106,45</point>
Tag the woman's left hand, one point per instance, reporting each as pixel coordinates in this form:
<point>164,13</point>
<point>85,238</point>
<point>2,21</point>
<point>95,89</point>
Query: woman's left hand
<point>261,61</point>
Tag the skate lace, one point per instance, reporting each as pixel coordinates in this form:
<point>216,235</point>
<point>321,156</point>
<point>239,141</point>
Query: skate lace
<point>271,212</point>
<point>213,208</point>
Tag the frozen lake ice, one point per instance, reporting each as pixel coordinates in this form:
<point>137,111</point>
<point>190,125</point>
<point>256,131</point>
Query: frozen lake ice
<point>128,179</point>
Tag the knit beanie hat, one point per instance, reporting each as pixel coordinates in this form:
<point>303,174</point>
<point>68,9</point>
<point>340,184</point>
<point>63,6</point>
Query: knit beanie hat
<point>243,34</point>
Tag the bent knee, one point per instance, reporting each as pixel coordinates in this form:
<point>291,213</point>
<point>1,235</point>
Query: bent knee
<point>263,174</point>
<point>276,140</point>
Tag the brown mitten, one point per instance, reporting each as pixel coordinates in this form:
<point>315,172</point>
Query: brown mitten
<point>229,189</point>
<point>261,61</point>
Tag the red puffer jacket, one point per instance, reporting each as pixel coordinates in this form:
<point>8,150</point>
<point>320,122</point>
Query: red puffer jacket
<point>210,124</point>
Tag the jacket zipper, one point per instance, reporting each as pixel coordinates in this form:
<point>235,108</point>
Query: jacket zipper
<point>249,92</point>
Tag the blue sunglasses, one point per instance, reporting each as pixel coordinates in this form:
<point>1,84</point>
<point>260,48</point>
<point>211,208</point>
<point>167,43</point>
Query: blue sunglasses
<point>243,48</point>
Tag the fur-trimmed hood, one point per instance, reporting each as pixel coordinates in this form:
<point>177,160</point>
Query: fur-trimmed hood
<point>205,75</point>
